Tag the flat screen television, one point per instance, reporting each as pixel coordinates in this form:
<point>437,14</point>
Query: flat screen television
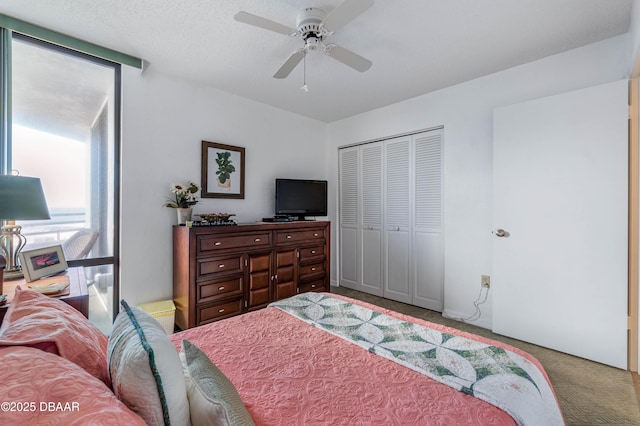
<point>301,197</point>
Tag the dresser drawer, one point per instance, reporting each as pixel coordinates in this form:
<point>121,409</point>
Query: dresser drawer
<point>209,292</point>
<point>216,311</point>
<point>313,269</point>
<point>212,243</point>
<point>311,253</point>
<point>317,285</point>
<point>211,268</point>
<point>307,235</point>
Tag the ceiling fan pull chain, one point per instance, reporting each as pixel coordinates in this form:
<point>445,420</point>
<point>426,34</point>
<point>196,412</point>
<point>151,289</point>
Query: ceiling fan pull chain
<point>304,73</point>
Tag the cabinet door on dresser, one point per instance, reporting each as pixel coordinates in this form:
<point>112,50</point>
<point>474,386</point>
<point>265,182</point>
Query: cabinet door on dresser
<point>286,268</point>
<point>259,278</point>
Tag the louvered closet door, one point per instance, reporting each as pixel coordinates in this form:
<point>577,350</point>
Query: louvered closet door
<point>349,225</point>
<point>428,263</point>
<point>397,209</point>
<point>371,188</point>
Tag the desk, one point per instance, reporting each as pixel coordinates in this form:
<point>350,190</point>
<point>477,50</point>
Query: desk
<point>78,296</point>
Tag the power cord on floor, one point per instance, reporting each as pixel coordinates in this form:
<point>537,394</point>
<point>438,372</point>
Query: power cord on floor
<point>477,314</point>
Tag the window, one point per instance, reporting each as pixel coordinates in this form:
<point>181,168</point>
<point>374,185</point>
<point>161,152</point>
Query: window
<point>64,115</point>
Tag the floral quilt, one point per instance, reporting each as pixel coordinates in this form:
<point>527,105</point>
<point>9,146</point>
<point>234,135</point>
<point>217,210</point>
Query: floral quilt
<point>491,373</point>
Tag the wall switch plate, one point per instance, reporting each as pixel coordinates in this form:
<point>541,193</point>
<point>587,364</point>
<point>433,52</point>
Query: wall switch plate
<point>485,281</point>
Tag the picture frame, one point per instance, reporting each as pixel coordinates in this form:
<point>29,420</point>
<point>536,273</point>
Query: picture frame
<point>222,171</point>
<point>42,262</point>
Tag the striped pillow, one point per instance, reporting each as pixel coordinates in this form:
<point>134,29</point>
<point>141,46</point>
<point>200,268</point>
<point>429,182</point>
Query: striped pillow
<point>145,369</point>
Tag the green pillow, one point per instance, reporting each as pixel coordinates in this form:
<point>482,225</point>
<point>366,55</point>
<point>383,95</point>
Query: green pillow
<point>213,400</point>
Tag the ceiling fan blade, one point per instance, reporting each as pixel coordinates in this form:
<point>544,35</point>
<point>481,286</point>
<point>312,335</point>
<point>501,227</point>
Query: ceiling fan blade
<point>267,24</point>
<point>345,13</point>
<point>290,64</point>
<point>348,58</point>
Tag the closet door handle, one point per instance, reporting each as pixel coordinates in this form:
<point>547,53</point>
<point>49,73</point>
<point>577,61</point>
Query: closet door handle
<point>501,233</point>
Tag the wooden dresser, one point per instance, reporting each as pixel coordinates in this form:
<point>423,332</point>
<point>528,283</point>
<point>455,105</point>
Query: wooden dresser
<point>222,271</point>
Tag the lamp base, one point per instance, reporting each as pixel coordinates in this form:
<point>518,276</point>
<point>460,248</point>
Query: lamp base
<point>11,242</point>
<point>13,275</point>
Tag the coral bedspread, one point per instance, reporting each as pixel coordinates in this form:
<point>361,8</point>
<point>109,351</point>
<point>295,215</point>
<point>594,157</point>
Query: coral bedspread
<point>289,372</point>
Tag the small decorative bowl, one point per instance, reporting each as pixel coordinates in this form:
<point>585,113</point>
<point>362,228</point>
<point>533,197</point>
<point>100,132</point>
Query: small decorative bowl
<point>216,217</point>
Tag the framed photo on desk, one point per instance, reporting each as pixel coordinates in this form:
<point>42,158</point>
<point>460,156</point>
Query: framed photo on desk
<point>42,262</point>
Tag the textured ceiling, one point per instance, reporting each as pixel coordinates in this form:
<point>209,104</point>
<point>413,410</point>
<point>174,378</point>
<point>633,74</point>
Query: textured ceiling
<point>417,46</point>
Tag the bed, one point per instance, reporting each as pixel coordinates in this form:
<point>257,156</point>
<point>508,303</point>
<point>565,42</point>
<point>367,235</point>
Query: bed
<point>315,358</point>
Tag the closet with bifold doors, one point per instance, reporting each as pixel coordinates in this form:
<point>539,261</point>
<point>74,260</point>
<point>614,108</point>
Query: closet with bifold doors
<point>390,220</point>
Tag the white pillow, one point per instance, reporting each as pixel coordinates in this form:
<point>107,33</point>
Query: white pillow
<point>146,372</point>
<point>213,400</point>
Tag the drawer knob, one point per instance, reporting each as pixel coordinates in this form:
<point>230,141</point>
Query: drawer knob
<point>220,311</point>
<point>313,286</point>
<point>221,265</point>
<point>288,237</point>
<point>313,252</point>
<point>221,288</point>
<point>313,269</point>
<point>315,235</point>
<point>217,243</point>
<point>257,240</point>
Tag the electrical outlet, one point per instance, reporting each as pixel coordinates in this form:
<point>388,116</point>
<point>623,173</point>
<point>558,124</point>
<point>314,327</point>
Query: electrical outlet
<point>485,281</point>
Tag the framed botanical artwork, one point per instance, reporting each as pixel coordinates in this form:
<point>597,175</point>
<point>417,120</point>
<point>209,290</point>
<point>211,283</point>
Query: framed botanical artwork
<point>42,262</point>
<point>222,171</point>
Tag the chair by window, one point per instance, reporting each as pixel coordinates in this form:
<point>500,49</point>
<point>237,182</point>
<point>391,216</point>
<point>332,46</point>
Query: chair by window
<point>79,244</point>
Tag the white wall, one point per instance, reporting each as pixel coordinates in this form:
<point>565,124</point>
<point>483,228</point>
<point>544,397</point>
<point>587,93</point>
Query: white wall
<point>634,35</point>
<point>164,121</point>
<point>466,112</point>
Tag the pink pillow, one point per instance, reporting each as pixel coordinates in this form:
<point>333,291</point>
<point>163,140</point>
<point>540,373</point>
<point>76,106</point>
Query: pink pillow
<point>53,326</point>
<point>48,390</point>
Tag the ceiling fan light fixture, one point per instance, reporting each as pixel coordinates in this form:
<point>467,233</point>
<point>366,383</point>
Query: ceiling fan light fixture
<point>312,44</point>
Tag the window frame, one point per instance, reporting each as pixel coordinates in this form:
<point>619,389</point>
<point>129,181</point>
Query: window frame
<point>6,38</point>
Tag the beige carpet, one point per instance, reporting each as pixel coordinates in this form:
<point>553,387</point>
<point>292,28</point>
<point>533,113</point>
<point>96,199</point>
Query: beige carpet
<point>589,393</point>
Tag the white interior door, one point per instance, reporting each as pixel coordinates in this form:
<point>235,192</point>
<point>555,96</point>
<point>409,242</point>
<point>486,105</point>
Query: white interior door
<point>560,193</point>
<point>397,220</point>
<point>428,262</point>
<point>349,226</point>
<point>371,183</point>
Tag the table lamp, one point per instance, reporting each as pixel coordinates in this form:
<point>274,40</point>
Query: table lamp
<point>21,198</point>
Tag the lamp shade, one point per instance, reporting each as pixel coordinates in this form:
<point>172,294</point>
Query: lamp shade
<point>22,198</point>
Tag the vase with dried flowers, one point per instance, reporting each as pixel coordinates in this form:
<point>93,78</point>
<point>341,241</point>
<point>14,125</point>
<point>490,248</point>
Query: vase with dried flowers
<point>184,197</point>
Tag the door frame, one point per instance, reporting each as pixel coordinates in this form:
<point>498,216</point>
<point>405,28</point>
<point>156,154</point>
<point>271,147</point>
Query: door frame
<point>634,212</point>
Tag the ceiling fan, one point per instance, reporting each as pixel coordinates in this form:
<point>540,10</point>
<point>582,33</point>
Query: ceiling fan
<point>313,27</point>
